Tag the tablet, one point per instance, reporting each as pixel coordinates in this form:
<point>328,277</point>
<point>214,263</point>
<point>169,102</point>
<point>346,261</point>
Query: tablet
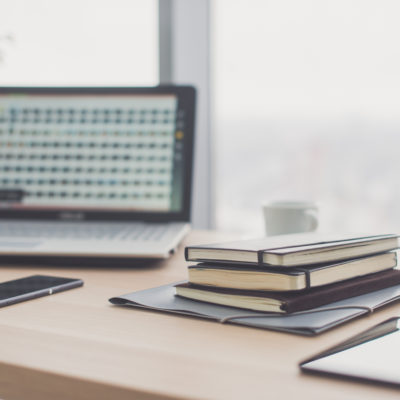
<point>372,355</point>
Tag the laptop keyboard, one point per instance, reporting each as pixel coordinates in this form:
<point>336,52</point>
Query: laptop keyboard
<point>98,231</point>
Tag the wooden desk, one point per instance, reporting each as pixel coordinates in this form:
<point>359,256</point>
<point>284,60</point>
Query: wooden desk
<point>75,345</point>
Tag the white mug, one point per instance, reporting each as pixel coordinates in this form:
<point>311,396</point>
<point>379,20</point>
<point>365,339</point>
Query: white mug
<point>284,217</point>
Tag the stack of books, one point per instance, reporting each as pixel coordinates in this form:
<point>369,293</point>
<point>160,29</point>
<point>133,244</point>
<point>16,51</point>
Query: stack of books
<point>291,273</point>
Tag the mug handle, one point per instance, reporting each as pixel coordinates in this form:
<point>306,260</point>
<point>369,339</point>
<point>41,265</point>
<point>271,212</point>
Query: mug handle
<point>312,219</point>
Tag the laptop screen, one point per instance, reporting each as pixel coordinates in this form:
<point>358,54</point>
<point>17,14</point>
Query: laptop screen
<point>85,151</point>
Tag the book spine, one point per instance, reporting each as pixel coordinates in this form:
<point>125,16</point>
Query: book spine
<point>187,254</point>
<point>260,257</point>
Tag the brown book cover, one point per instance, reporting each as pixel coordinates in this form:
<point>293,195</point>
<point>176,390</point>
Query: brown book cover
<point>298,301</point>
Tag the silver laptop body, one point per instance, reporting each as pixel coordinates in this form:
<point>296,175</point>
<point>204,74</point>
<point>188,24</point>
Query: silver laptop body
<point>95,172</point>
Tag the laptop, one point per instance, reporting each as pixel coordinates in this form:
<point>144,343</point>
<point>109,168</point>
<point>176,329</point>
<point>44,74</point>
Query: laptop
<point>95,172</point>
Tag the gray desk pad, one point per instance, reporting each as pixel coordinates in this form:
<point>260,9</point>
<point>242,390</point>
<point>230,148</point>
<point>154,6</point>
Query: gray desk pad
<point>308,323</point>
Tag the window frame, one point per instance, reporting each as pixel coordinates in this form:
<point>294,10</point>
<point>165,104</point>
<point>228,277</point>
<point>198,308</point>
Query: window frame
<point>184,58</point>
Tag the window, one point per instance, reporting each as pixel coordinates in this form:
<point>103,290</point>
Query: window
<point>306,107</point>
<point>93,42</point>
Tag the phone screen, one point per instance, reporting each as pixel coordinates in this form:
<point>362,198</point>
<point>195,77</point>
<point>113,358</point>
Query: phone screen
<point>31,284</point>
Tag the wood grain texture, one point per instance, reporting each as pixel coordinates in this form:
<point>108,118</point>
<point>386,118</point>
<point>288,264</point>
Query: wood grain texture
<point>75,345</point>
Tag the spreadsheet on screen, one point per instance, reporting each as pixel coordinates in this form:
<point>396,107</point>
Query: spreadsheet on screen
<point>87,151</point>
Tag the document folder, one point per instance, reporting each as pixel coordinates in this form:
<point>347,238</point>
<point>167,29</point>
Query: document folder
<point>311,322</point>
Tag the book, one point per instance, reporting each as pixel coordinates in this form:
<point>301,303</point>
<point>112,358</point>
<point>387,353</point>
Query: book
<point>289,302</point>
<point>289,279</point>
<point>293,250</point>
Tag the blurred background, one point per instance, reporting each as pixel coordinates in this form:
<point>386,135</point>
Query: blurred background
<point>298,99</point>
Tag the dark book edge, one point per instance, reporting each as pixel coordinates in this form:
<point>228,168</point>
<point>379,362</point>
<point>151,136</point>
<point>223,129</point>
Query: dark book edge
<point>254,268</point>
<point>347,289</point>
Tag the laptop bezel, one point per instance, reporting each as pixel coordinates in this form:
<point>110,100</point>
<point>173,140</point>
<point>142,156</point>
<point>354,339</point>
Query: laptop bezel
<point>186,96</point>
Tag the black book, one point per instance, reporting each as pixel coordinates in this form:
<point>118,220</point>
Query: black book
<point>287,279</point>
<point>293,250</point>
<point>289,302</point>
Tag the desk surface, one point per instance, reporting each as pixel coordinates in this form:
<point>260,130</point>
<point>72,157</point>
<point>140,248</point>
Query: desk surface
<point>76,345</point>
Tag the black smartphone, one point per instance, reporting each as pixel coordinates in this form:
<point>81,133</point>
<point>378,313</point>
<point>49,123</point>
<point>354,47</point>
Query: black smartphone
<point>32,287</point>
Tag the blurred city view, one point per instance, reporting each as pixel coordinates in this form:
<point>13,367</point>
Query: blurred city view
<point>307,108</point>
<point>349,169</point>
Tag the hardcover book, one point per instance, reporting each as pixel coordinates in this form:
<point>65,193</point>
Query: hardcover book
<point>289,302</point>
<point>293,250</point>
<point>287,279</point>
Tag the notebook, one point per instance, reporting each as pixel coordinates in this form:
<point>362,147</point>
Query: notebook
<point>287,279</point>
<point>293,250</point>
<point>289,302</point>
<point>95,172</point>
